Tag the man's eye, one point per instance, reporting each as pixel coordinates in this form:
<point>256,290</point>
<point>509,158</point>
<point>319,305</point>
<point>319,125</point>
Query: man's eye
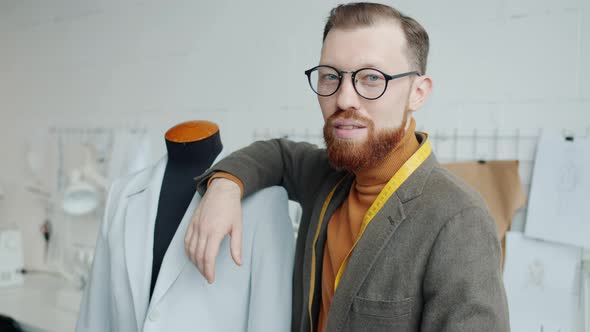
<point>330,77</point>
<point>370,78</point>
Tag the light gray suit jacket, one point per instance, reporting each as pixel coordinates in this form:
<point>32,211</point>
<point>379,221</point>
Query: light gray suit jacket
<point>429,260</point>
<point>253,297</point>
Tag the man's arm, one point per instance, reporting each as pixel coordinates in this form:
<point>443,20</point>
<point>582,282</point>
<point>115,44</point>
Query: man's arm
<point>298,167</point>
<point>463,287</point>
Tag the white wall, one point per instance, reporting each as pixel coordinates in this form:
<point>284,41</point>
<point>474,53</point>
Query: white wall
<point>496,64</point>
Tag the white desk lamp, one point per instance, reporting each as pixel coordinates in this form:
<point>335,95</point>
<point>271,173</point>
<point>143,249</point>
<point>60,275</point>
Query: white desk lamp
<point>84,192</point>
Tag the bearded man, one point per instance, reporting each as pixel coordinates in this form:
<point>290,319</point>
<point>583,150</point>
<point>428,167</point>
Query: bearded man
<point>389,240</point>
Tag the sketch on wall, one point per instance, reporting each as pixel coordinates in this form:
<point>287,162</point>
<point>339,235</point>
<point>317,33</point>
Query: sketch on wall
<point>558,200</point>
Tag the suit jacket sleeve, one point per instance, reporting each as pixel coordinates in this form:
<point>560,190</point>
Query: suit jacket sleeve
<point>297,166</point>
<point>95,311</point>
<point>463,287</point>
<point>272,266</point>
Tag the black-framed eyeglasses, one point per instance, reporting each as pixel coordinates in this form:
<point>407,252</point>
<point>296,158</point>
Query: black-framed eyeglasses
<point>369,83</point>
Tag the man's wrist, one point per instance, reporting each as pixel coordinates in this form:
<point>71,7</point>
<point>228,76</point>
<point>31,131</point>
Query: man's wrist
<point>226,184</point>
<point>227,176</point>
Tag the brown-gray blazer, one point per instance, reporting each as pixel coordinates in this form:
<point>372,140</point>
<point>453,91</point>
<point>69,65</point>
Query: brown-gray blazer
<point>429,260</point>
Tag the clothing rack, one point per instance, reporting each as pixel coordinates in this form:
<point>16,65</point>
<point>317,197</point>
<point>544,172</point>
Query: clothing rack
<point>94,130</point>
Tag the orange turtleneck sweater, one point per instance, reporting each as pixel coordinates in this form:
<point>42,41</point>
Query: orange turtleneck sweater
<point>345,223</point>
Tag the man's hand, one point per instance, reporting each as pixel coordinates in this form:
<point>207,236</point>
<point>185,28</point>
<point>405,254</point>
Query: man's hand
<point>219,213</point>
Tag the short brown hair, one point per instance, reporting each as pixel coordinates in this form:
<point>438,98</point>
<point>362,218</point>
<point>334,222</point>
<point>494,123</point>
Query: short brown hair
<point>364,14</point>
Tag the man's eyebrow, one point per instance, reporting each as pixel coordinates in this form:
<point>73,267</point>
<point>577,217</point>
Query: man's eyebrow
<point>369,65</point>
<point>364,65</point>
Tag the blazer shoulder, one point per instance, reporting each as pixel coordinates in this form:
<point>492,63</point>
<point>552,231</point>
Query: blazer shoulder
<point>449,195</point>
<point>449,203</point>
<point>267,201</point>
<point>266,217</point>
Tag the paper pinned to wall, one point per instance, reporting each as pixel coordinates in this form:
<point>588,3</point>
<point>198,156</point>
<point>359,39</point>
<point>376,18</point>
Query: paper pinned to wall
<point>543,282</point>
<point>558,208</point>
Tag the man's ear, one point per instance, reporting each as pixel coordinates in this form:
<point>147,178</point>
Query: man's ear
<point>421,88</point>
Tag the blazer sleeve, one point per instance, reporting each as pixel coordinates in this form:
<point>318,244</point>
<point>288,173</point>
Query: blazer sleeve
<point>95,309</point>
<point>272,266</point>
<point>299,167</point>
<point>463,287</point>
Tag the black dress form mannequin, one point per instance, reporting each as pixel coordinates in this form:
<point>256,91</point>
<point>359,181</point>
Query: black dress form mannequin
<point>192,147</point>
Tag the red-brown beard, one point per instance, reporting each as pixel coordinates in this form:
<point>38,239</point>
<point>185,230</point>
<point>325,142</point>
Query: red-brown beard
<point>355,156</point>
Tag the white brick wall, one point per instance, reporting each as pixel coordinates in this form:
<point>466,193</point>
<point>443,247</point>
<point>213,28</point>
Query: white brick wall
<point>496,64</point>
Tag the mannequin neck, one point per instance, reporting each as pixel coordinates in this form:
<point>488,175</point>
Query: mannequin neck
<point>196,154</point>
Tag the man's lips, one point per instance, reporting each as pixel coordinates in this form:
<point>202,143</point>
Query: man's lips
<point>348,129</point>
<point>348,125</point>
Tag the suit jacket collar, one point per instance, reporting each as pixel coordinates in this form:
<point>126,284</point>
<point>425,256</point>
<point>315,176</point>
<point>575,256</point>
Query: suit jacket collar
<point>414,185</point>
<point>140,215</point>
<point>145,177</point>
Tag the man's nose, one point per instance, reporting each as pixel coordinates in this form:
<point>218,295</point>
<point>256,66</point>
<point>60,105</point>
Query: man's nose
<point>347,98</point>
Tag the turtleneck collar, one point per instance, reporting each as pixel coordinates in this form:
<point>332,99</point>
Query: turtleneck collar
<point>378,175</point>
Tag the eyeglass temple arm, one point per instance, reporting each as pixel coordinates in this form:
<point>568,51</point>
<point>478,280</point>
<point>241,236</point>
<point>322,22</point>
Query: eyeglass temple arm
<point>403,75</point>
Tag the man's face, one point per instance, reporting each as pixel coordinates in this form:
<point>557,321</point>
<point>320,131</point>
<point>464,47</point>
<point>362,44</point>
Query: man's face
<point>360,132</point>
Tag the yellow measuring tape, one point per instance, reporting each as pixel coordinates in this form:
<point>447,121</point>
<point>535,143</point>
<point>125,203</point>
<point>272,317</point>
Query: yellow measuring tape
<point>392,185</point>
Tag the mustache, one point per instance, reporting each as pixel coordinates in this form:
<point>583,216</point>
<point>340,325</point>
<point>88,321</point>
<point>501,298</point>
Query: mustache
<point>348,115</point>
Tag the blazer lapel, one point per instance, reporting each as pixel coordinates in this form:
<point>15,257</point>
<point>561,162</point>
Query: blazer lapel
<point>345,180</point>
<point>140,216</point>
<point>175,258</point>
<point>375,238</point>
<point>364,255</point>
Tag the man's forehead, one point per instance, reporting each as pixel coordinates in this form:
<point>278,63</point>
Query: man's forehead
<point>381,45</point>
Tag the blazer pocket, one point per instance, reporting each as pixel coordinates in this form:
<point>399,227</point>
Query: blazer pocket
<point>377,316</point>
<point>382,309</point>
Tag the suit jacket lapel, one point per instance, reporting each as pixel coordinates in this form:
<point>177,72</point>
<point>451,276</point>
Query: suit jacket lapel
<point>140,216</point>
<point>339,196</point>
<point>175,258</point>
<point>364,255</point>
<point>375,238</point>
